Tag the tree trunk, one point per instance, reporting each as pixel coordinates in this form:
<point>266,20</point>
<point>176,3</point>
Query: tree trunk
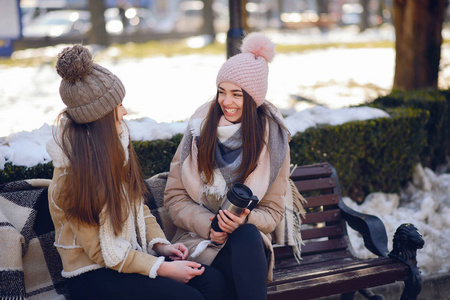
<point>418,26</point>
<point>364,22</point>
<point>98,34</point>
<point>380,11</point>
<point>322,6</point>
<point>236,32</point>
<point>208,19</point>
<point>280,6</point>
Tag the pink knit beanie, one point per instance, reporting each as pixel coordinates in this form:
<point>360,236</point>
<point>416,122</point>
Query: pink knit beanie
<point>90,91</point>
<point>249,70</point>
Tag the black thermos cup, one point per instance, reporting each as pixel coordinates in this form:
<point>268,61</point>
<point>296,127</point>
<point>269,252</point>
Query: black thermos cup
<point>238,198</point>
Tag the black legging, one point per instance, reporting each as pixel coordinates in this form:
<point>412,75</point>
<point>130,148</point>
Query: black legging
<point>112,285</point>
<point>243,263</point>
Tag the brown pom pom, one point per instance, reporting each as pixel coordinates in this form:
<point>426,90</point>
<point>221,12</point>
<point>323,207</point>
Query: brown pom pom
<point>74,63</point>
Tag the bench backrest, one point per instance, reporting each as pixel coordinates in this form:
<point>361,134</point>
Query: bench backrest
<point>323,228</point>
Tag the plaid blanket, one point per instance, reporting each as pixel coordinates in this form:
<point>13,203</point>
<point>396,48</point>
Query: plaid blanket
<point>30,266</point>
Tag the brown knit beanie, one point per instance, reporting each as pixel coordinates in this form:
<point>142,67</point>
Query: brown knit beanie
<point>89,90</point>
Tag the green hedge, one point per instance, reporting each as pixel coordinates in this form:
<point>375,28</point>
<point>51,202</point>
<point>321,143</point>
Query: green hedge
<point>437,128</point>
<point>446,126</point>
<point>154,157</point>
<point>369,156</point>
<point>12,173</point>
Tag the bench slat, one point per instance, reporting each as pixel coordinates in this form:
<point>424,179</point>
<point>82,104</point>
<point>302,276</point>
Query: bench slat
<point>331,281</point>
<point>322,246</point>
<point>333,215</point>
<point>329,231</point>
<point>285,257</point>
<point>286,266</point>
<point>326,258</point>
<point>330,199</point>
<point>330,267</point>
<point>315,184</point>
<point>311,171</point>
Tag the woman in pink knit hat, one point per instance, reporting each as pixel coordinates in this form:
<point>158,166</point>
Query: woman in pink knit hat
<point>237,138</point>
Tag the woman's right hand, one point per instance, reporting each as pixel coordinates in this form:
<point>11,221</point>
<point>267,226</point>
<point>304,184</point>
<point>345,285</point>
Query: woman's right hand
<point>216,236</point>
<point>181,271</point>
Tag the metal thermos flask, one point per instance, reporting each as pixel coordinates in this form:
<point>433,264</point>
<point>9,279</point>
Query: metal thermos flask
<point>238,198</point>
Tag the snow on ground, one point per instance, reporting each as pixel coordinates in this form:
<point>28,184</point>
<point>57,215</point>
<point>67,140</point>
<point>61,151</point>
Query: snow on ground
<point>425,202</point>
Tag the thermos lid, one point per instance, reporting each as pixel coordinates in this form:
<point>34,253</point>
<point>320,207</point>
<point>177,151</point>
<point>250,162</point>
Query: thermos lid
<point>239,195</point>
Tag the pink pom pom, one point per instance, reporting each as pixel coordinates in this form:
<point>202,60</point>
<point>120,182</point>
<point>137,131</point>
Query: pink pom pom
<point>259,45</point>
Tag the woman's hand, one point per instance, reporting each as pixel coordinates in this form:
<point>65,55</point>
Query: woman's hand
<point>174,252</point>
<point>181,271</point>
<point>216,236</point>
<point>229,222</point>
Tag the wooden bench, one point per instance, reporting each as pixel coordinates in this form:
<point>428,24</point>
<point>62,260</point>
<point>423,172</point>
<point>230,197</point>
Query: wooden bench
<point>328,265</point>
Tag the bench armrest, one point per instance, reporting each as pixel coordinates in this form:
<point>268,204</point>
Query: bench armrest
<point>370,227</point>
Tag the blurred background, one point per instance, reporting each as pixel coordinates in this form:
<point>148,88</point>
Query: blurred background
<point>51,22</point>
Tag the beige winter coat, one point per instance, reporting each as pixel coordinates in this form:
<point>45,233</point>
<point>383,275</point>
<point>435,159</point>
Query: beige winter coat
<point>81,247</point>
<point>193,221</point>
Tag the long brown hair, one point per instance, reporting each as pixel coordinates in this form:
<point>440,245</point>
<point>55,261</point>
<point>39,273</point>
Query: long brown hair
<point>98,176</point>
<point>253,127</point>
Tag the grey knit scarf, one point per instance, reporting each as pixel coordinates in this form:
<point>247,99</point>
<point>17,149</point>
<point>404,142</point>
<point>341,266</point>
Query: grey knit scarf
<point>228,154</point>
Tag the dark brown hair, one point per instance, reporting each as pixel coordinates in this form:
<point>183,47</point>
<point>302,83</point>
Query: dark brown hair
<point>253,127</point>
<point>98,176</point>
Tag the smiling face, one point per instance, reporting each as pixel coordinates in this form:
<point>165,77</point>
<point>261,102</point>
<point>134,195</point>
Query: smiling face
<point>231,101</point>
<point>120,112</point>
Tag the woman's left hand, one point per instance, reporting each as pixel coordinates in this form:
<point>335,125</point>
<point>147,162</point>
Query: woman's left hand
<point>176,251</point>
<point>229,222</point>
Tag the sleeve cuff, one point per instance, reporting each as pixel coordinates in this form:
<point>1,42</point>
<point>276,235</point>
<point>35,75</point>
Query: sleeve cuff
<point>156,241</point>
<point>154,270</point>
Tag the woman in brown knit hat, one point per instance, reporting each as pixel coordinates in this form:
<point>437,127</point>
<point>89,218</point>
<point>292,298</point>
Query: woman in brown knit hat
<point>110,244</point>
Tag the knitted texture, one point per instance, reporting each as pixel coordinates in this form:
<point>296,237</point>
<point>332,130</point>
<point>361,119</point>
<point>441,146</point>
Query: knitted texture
<point>89,90</point>
<point>249,70</point>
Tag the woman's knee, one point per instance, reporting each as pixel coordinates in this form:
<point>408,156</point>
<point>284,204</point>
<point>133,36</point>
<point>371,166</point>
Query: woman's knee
<point>211,284</point>
<point>247,233</point>
<point>247,229</point>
